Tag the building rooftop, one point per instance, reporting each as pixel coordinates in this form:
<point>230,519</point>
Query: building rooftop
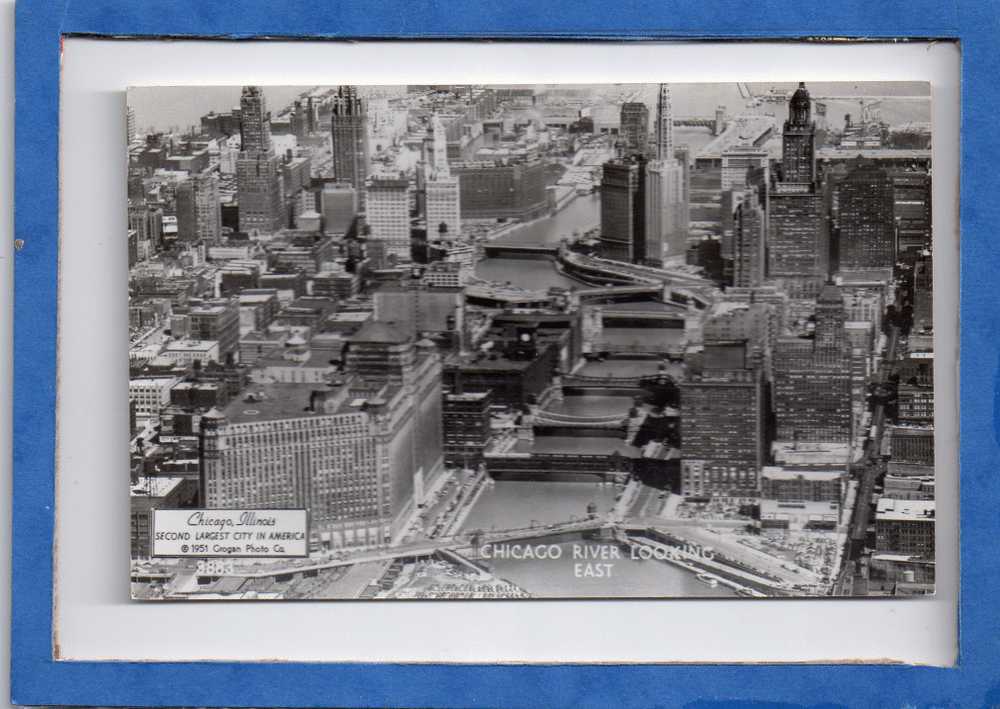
<point>254,298</point>
<point>833,153</point>
<point>269,336</point>
<point>351,316</point>
<point>887,556</point>
<point>191,345</point>
<point>316,359</point>
<point>725,307</point>
<point>910,429</point>
<point>800,453</point>
<point>381,331</point>
<point>274,401</point>
<point>776,472</point>
<point>892,510</point>
<point>155,486</point>
<point>492,362</point>
<point>771,507</point>
<point>201,386</point>
<point>473,396</point>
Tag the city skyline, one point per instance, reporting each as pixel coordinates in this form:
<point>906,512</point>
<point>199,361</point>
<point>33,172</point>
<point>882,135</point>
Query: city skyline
<point>180,107</point>
<point>512,341</point>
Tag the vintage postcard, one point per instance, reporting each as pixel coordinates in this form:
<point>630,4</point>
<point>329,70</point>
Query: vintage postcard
<point>532,341</point>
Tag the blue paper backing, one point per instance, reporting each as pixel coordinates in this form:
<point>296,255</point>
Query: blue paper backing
<point>37,679</point>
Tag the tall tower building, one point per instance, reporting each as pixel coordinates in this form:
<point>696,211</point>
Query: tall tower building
<point>349,134</point>
<point>623,210</point>
<point>666,223</point>
<point>147,221</point>
<point>830,338</point>
<point>798,254</point>
<point>798,140</point>
<point>258,169</point>
<point>866,218</point>
<point>443,202</point>
<point>130,124</point>
<point>664,125</point>
<point>749,233</point>
<point>634,128</point>
<point>812,379</point>
<point>255,121</point>
<point>440,148</point>
<point>199,212</point>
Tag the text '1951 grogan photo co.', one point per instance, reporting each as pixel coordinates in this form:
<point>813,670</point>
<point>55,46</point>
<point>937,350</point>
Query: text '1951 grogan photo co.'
<point>531,341</point>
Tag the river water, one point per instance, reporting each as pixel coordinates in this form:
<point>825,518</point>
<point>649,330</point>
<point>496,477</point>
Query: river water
<point>510,504</point>
<point>583,213</point>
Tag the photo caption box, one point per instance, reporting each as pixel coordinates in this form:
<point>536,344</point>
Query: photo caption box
<point>230,533</point>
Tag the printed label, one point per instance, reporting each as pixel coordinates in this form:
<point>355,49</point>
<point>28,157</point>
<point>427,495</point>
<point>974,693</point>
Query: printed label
<point>230,533</point>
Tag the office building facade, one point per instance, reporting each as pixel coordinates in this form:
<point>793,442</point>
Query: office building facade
<point>623,210</point>
<point>199,213</point>
<point>866,223</point>
<point>258,170</point>
<point>388,214</point>
<point>349,139</point>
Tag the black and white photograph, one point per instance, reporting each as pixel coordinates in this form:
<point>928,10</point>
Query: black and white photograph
<point>530,341</point>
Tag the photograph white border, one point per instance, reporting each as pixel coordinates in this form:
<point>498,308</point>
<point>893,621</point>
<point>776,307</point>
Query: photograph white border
<point>94,618</point>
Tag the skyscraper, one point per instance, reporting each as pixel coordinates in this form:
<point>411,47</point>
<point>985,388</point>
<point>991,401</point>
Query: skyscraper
<point>666,223</point>
<point>255,121</point>
<point>923,293</point>
<point>812,387</point>
<point>388,214</point>
<point>664,125</point>
<point>443,205</point>
<point>147,221</point>
<point>737,162</point>
<point>634,130</point>
<point>623,210</point>
<point>258,170</point>
<point>866,218</point>
<point>749,233</point>
<point>798,240</point>
<point>798,140</point>
<point>130,129</point>
<point>340,206</point>
<point>199,213</point>
<point>722,432</point>
<point>349,134</point>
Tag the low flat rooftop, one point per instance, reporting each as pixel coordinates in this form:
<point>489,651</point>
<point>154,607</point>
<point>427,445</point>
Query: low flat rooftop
<point>155,487</point>
<point>893,510</point>
<point>254,298</point>
<point>807,507</point>
<point>790,453</point>
<point>318,359</point>
<point>272,402</point>
<point>775,472</point>
<point>191,345</point>
<point>499,364</point>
